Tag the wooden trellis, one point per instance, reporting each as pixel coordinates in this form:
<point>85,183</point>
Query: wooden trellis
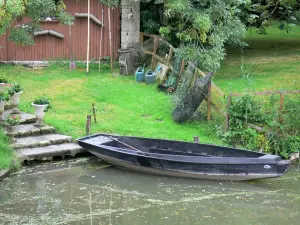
<point>212,88</point>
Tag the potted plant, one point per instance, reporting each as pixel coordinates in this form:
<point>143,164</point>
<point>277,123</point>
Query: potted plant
<point>41,105</point>
<point>15,91</point>
<point>4,97</point>
<point>3,83</point>
<point>11,121</point>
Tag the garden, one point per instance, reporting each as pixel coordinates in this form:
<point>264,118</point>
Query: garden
<point>129,108</point>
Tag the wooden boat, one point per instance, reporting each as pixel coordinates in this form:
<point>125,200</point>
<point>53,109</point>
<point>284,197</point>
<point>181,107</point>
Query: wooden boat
<point>183,159</point>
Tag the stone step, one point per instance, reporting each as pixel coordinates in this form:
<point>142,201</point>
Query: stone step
<point>41,141</point>
<point>25,117</point>
<point>25,130</point>
<point>48,152</point>
<point>8,106</point>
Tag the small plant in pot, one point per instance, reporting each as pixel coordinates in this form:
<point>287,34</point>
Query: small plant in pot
<point>41,105</point>
<point>4,97</point>
<point>3,83</point>
<point>11,122</point>
<point>15,91</point>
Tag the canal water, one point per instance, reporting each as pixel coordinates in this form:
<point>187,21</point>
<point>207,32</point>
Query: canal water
<point>86,191</point>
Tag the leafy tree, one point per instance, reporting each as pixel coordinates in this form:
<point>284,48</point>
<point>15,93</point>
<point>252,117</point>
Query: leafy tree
<point>260,13</point>
<point>12,11</point>
<point>202,28</point>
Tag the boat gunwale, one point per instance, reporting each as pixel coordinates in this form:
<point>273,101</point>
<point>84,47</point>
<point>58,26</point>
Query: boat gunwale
<point>159,139</point>
<point>191,159</point>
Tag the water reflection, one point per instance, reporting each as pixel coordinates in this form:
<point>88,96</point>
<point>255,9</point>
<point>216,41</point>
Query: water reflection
<point>87,192</point>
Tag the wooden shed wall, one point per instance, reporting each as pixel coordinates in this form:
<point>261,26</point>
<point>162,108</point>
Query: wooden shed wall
<point>48,47</point>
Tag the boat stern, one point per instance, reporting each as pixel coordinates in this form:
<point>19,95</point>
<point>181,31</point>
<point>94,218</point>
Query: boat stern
<point>283,166</point>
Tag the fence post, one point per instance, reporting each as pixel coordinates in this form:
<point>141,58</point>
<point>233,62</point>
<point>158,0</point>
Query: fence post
<point>141,38</point>
<point>154,51</point>
<point>227,112</point>
<point>94,112</point>
<point>170,55</point>
<point>281,102</point>
<point>209,101</point>
<point>88,125</point>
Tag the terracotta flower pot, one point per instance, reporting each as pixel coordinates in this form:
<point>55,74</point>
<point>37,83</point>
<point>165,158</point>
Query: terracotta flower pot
<point>39,113</point>
<point>15,100</point>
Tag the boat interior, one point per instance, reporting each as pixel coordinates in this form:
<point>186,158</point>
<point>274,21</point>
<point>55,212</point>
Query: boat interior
<point>170,147</point>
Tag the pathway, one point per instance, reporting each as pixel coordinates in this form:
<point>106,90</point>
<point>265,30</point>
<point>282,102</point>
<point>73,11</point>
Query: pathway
<point>33,143</point>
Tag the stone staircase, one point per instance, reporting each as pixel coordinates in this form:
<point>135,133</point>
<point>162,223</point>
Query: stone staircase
<point>34,143</point>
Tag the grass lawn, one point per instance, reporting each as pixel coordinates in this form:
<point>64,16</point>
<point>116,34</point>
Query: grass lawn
<point>270,62</point>
<point>6,153</point>
<point>123,106</point>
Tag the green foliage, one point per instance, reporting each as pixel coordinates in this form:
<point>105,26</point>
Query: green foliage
<point>11,11</point>
<point>203,28</point>
<point>110,3</point>
<point>149,20</point>
<point>6,151</point>
<point>280,133</point>
<point>21,36</point>
<point>3,80</point>
<point>42,100</point>
<point>258,13</point>
<point>15,88</point>
<point>4,96</point>
<point>247,109</point>
<point>12,120</point>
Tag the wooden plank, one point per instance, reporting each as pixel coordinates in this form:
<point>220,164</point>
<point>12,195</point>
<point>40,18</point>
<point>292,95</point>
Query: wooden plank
<point>227,112</point>
<point>148,35</point>
<point>88,38</point>
<point>196,139</point>
<point>267,93</point>
<point>255,127</point>
<point>154,51</point>
<point>281,103</point>
<point>90,16</point>
<point>141,39</point>
<point>209,101</point>
<point>110,44</point>
<point>88,125</point>
<point>217,89</point>
<point>170,55</point>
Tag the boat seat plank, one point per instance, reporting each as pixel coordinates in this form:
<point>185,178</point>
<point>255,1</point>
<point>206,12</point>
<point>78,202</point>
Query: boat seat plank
<point>99,140</point>
<point>172,152</point>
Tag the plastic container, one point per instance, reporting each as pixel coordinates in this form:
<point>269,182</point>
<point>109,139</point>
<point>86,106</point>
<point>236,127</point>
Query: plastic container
<point>150,77</point>
<point>140,74</point>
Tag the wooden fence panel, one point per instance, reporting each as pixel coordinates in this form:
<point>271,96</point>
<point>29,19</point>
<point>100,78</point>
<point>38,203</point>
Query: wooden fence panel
<point>48,47</point>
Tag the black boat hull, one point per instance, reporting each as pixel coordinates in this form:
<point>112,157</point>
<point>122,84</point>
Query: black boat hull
<point>187,166</point>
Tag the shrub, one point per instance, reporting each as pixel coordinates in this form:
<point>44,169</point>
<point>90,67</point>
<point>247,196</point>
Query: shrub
<point>280,130</point>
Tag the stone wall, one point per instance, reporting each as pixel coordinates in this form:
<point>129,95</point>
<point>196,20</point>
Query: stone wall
<point>130,31</point>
